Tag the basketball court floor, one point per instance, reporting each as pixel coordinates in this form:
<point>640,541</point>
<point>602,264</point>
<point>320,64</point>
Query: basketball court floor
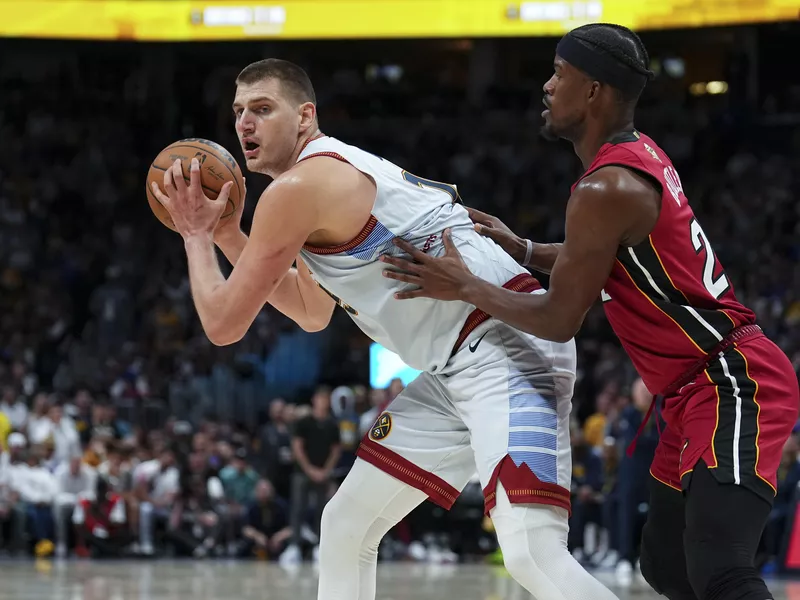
<point>79,580</point>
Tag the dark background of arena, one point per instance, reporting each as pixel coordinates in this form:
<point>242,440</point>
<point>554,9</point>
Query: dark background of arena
<point>102,356</point>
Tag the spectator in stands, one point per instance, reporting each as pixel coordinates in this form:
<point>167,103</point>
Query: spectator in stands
<point>594,428</point>
<point>100,523</point>
<point>105,425</point>
<point>63,433</point>
<point>266,529</point>
<point>788,481</point>
<point>82,404</point>
<point>239,481</point>
<point>195,526</point>
<point>38,421</point>
<point>316,449</point>
<point>633,475</point>
<point>343,406</point>
<point>610,547</point>
<point>587,484</point>
<point>12,510</point>
<point>276,447</point>
<point>14,453</point>
<point>117,470</point>
<point>5,430</point>
<point>74,481</point>
<point>13,406</point>
<point>37,488</point>
<point>156,484</point>
<point>379,400</point>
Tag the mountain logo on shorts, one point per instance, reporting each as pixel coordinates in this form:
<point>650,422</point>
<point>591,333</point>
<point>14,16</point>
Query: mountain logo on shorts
<point>382,427</point>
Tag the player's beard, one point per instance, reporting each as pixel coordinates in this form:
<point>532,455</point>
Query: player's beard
<point>546,131</point>
<point>552,133</point>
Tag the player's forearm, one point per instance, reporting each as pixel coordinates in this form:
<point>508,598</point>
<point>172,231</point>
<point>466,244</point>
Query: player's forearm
<point>207,283</point>
<point>531,313</point>
<point>232,244</point>
<point>297,296</point>
<point>544,257</point>
<point>302,300</point>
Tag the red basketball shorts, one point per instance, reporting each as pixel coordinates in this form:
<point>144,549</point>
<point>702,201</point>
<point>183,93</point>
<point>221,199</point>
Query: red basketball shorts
<point>735,415</point>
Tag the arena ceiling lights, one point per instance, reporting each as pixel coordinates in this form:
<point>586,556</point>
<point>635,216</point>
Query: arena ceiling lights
<point>187,20</point>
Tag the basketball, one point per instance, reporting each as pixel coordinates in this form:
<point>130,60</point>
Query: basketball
<point>217,167</point>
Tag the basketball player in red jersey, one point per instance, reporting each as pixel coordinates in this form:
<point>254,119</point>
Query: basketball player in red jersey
<point>730,394</point>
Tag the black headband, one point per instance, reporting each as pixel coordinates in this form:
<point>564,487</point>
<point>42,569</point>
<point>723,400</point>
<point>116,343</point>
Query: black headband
<point>601,65</point>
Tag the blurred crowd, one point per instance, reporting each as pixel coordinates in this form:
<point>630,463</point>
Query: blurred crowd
<point>124,431</point>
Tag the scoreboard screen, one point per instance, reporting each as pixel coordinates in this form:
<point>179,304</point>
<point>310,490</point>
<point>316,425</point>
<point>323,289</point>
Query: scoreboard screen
<point>186,20</point>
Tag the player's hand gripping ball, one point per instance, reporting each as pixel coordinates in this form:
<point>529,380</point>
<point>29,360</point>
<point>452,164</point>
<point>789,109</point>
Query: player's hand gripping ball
<point>211,197</point>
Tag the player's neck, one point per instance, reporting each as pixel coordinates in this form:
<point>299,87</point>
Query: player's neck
<point>596,135</point>
<point>302,142</point>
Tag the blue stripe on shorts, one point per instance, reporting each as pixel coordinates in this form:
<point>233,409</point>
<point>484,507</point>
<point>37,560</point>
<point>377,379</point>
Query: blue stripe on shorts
<point>535,439</point>
<point>531,399</point>
<point>533,419</point>
<point>544,466</point>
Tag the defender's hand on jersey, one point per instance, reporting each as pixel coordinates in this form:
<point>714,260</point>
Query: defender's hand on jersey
<point>191,210</point>
<point>442,278</point>
<point>495,229</point>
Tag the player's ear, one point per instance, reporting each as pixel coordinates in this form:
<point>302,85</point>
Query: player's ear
<point>594,91</point>
<point>308,115</point>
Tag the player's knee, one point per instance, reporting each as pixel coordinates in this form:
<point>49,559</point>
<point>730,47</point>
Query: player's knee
<point>534,546</point>
<point>341,529</point>
<point>720,570</point>
<point>648,563</point>
<point>664,568</point>
<point>522,564</point>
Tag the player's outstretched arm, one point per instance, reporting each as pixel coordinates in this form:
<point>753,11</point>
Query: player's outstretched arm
<point>601,214</point>
<point>540,257</point>
<point>608,209</point>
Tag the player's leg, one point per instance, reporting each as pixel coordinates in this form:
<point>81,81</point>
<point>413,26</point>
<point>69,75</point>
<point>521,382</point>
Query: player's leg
<point>736,423</point>
<point>418,448</point>
<point>663,560</point>
<point>366,506</point>
<point>533,538</point>
<point>724,523</point>
<point>514,393</point>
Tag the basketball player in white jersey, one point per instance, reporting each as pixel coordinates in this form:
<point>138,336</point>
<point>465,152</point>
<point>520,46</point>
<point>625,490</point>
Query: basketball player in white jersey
<point>490,398</point>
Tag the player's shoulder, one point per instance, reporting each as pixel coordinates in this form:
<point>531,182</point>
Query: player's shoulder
<point>324,171</point>
<point>614,195</point>
<point>613,180</point>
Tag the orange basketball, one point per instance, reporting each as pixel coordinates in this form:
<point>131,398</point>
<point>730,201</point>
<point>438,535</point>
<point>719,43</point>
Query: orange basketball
<point>217,167</point>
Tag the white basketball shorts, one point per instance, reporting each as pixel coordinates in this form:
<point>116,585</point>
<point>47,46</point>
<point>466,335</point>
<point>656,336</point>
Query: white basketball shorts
<point>501,406</point>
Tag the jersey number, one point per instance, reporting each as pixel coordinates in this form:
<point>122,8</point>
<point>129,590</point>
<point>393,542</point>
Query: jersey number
<point>720,285</point>
<point>437,185</point>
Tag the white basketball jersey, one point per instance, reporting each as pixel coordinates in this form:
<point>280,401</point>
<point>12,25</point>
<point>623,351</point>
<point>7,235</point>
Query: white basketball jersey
<point>421,331</point>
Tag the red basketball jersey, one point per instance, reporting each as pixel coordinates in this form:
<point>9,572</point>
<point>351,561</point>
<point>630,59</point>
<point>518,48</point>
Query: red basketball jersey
<point>668,298</point>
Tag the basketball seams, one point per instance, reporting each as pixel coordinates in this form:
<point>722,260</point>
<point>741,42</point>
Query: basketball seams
<point>222,156</point>
<point>186,179</point>
<point>205,187</point>
<point>223,162</point>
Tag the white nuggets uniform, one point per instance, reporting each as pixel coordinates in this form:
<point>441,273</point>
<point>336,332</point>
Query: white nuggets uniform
<point>490,397</point>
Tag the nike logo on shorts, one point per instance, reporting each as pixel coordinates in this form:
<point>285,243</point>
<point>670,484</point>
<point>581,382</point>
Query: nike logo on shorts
<point>474,345</point>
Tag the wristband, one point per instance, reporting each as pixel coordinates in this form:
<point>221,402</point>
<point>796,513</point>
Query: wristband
<point>528,253</point>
